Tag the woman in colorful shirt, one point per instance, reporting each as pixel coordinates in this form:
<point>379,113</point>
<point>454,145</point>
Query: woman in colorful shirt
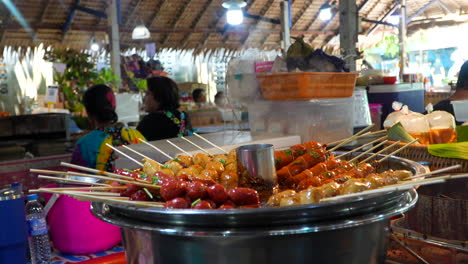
<point>91,150</point>
<point>163,120</point>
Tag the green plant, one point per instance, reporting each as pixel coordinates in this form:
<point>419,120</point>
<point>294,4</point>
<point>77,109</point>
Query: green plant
<point>106,76</point>
<point>139,83</point>
<point>79,73</point>
<point>390,46</point>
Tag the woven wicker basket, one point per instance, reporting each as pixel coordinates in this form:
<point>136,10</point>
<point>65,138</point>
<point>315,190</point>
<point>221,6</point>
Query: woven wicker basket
<point>420,153</point>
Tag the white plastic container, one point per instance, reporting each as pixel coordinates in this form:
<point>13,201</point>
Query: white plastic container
<point>461,110</point>
<point>323,120</point>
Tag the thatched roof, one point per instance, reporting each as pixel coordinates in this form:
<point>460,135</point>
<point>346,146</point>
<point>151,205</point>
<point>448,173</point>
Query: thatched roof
<point>197,24</point>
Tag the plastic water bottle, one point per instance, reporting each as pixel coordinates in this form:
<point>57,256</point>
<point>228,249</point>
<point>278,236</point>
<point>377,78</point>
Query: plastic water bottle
<point>39,245</point>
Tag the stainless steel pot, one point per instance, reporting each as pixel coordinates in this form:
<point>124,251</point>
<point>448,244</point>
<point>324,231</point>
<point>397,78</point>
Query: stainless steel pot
<point>352,231</point>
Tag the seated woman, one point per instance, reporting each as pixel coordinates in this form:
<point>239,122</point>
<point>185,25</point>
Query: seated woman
<point>163,120</point>
<point>461,92</point>
<point>73,228</point>
<point>91,150</point>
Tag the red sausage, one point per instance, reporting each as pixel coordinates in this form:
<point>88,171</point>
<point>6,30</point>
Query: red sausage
<point>217,193</point>
<point>163,178</point>
<point>139,196</point>
<point>196,190</point>
<point>131,189</point>
<point>203,204</point>
<point>226,207</point>
<point>173,189</point>
<point>177,203</point>
<point>243,196</point>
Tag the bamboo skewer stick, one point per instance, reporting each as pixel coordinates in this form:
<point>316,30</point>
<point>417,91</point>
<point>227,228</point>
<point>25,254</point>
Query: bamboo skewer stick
<point>156,148</point>
<point>82,188</point>
<point>380,190</point>
<point>202,149</point>
<point>138,153</point>
<point>367,151</point>
<point>209,142</point>
<point>379,152</point>
<point>180,149</point>
<point>398,150</point>
<point>107,194</point>
<point>91,198</point>
<point>70,180</point>
<point>398,187</point>
<point>138,183</point>
<point>98,172</point>
<point>49,171</point>
<point>125,155</point>
<point>347,140</point>
<point>383,131</point>
<point>361,147</point>
<point>435,171</point>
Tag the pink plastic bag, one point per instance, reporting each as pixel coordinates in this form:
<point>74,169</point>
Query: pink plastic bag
<point>74,230</point>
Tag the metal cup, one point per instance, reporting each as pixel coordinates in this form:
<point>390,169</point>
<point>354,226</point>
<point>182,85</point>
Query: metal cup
<point>256,168</point>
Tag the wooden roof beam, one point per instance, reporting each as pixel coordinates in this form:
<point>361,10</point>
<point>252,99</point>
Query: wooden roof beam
<point>324,26</point>
<point>262,12</point>
<point>44,11</point>
<point>301,13</point>
<point>132,12</point>
<point>195,22</point>
<point>387,14</point>
<point>176,20</point>
<point>156,13</point>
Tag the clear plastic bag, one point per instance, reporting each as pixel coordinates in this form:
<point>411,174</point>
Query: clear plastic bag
<point>442,127</point>
<point>417,126</point>
<point>394,117</point>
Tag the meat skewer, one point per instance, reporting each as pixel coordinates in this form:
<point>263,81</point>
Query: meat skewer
<point>373,184</point>
<point>399,187</point>
<point>434,172</point>
<point>209,142</point>
<point>305,161</point>
<point>284,157</point>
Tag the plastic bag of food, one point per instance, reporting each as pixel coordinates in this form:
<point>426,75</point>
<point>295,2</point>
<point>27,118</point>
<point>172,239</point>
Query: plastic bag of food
<point>442,127</point>
<point>417,126</point>
<point>395,116</point>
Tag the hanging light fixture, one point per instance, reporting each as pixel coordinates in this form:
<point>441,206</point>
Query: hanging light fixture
<point>141,32</point>
<point>234,15</point>
<point>93,44</point>
<point>325,12</point>
<point>394,19</point>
